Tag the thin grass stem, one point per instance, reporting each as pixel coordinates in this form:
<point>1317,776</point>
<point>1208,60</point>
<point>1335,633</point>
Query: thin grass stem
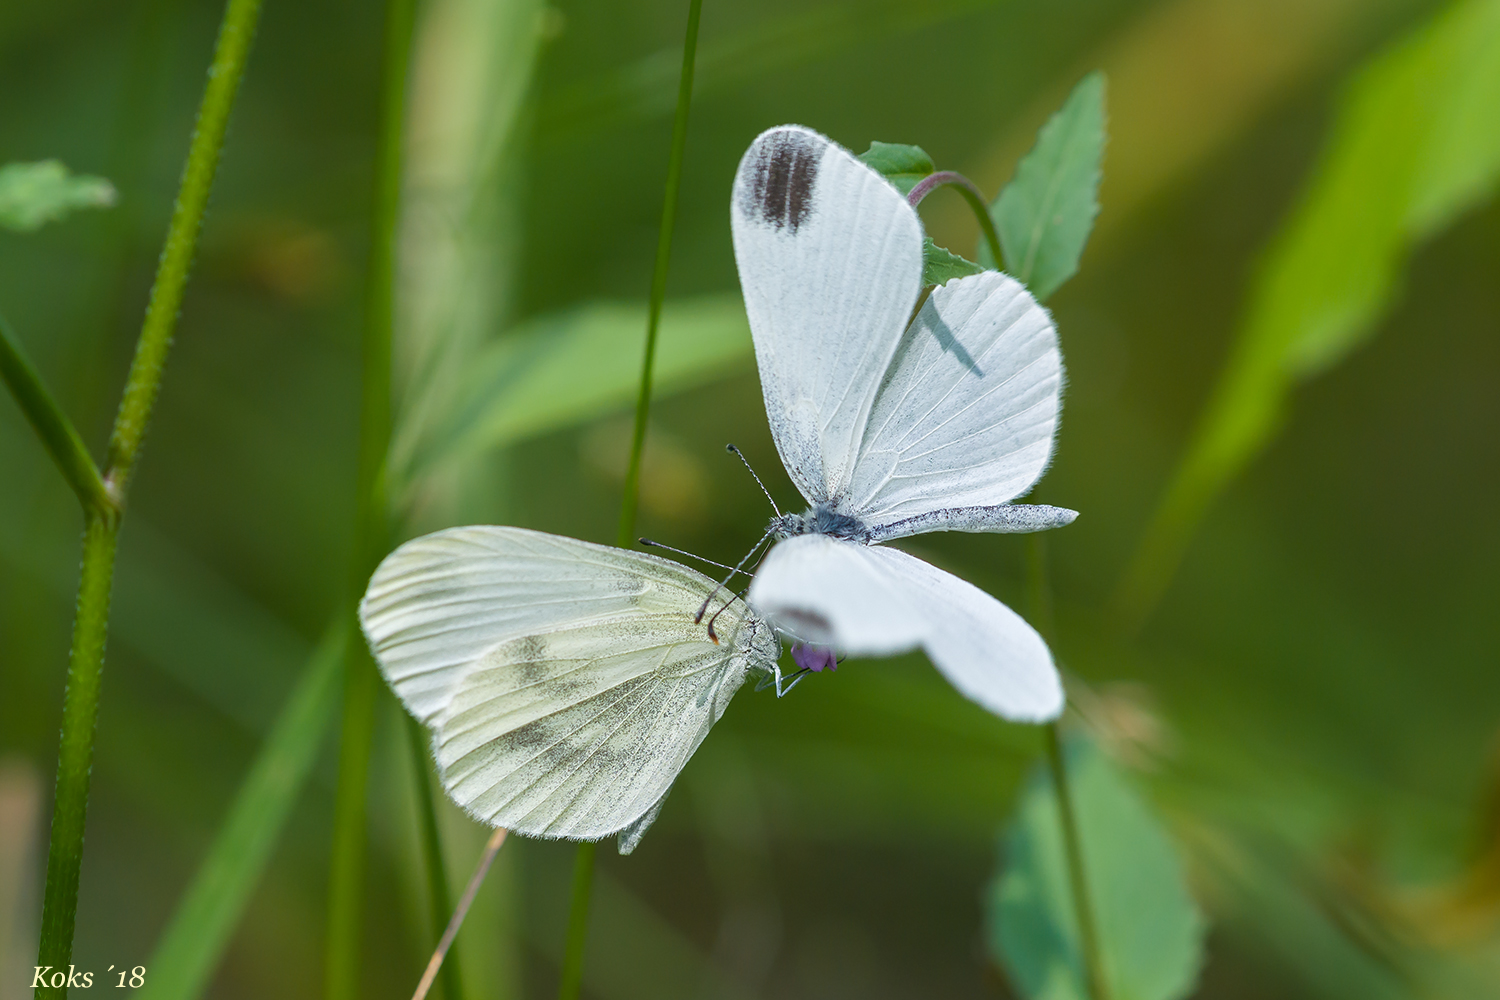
<point>53,427</point>
<point>372,527</point>
<point>571,980</point>
<point>438,896</point>
<point>445,943</point>
<point>346,864</point>
<point>1039,611</point>
<point>142,385</point>
<point>583,866</point>
<point>659,276</point>
<point>1083,907</point>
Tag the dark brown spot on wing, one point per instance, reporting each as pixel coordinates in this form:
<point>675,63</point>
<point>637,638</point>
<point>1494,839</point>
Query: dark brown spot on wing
<point>780,179</point>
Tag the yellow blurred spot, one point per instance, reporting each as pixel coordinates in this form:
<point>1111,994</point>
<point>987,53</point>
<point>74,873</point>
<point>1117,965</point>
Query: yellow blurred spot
<point>288,258</point>
<point>673,483</point>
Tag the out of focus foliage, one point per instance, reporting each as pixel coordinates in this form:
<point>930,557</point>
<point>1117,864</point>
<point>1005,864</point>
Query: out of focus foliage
<point>1150,932</point>
<point>1045,214</point>
<point>34,194</point>
<point>1313,706</point>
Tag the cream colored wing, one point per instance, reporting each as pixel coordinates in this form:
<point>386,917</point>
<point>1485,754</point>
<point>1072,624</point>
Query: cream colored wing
<point>579,732</point>
<point>566,683</point>
<point>439,602</point>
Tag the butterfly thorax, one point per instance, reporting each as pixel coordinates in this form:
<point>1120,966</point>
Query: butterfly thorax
<point>821,520</point>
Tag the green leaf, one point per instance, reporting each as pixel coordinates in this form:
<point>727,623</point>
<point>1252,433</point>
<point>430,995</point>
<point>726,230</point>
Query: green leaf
<point>1151,933</point>
<point>34,194</point>
<point>570,367</point>
<point>1046,212</point>
<point>940,266</point>
<point>206,915</point>
<point>1413,146</point>
<point>904,166</point>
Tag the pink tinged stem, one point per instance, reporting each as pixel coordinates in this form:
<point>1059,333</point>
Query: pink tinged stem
<point>461,911</point>
<point>971,194</point>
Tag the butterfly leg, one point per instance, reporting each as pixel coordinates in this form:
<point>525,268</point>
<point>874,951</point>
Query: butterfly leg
<point>791,682</point>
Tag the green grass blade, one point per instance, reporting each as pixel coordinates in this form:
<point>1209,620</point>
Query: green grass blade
<point>1413,146</point>
<point>196,936</point>
<point>1046,212</point>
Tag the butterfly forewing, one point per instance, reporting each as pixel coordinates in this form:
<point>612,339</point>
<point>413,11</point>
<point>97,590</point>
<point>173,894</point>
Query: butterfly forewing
<point>439,602</point>
<point>566,683</point>
<point>830,262</point>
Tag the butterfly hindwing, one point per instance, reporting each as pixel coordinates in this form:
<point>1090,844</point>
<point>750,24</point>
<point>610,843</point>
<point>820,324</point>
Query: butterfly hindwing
<point>579,732</point>
<point>967,413</point>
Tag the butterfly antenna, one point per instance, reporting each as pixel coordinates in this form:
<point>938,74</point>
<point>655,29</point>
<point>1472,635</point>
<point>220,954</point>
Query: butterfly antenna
<point>737,597</point>
<point>703,608</point>
<point>651,543</point>
<point>742,458</point>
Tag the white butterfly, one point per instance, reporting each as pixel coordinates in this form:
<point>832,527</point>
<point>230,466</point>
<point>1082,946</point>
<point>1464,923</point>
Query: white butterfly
<point>890,428</point>
<point>566,684</point>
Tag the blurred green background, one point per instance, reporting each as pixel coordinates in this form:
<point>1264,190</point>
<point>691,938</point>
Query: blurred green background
<point>1313,706</point>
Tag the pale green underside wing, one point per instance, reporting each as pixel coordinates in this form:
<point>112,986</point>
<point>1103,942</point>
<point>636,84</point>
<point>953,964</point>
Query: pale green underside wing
<point>565,683</point>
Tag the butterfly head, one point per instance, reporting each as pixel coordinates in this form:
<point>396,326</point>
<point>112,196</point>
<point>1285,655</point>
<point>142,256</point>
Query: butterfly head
<point>757,642</point>
<point>821,519</point>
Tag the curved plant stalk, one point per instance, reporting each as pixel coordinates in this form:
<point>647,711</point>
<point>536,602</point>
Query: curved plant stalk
<point>372,519</point>
<point>583,869</point>
<point>1039,596</point>
<point>101,531</point>
<point>971,194</point>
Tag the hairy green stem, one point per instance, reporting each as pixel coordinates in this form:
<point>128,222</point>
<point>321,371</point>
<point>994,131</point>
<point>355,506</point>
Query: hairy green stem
<point>144,382</point>
<point>659,276</point>
<point>372,517</point>
<point>971,194</point>
<point>583,867</point>
<point>578,922</point>
<point>75,755</point>
<point>438,897</point>
<point>1083,907</point>
<point>90,627</point>
<point>53,427</point>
